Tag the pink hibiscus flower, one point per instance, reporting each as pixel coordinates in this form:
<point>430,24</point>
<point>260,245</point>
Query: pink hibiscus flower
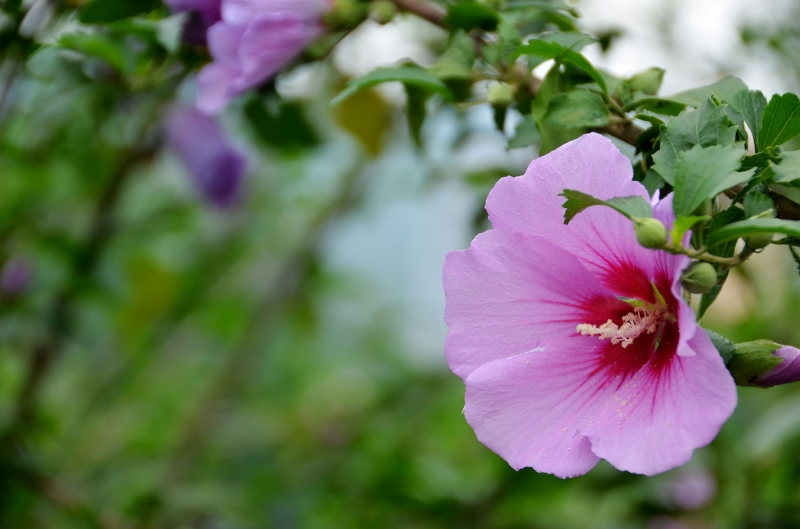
<point>574,341</point>
<point>252,42</point>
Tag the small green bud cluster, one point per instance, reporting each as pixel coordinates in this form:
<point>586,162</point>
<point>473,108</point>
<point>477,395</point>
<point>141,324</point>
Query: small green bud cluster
<point>699,277</point>
<point>500,95</point>
<point>651,233</point>
<point>382,11</point>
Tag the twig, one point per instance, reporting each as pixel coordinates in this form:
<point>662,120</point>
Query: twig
<point>428,11</point>
<point>44,352</point>
<point>283,289</point>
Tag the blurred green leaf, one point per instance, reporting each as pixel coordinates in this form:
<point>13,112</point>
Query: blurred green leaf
<point>631,207</point>
<point>708,125</point>
<point>408,75</point>
<point>469,15</point>
<point>725,90</point>
<point>754,226</point>
<point>756,202</point>
<point>562,54</point>
<point>787,171</point>
<point>100,46</point>
<point>280,124</point>
<point>544,5</point>
<point>105,11</point>
<point>526,134</point>
<point>552,135</point>
<point>704,172</point>
<point>781,121</point>
<point>416,100</point>
<point>648,81</point>
<point>578,108</point>
<point>367,116</point>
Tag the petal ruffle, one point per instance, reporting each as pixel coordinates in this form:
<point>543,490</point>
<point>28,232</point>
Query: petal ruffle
<point>602,239</point>
<point>553,411</point>
<point>244,11</point>
<point>509,292</point>
<point>654,421</point>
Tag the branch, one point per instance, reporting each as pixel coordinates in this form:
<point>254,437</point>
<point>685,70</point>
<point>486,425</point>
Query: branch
<point>44,351</point>
<point>429,12</point>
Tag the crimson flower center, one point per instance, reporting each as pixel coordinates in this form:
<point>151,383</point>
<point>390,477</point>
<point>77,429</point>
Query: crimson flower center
<point>643,319</point>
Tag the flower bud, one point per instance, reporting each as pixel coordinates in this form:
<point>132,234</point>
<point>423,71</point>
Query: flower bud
<point>788,370</point>
<point>699,277</point>
<point>217,167</point>
<point>500,95</point>
<point>764,363</point>
<point>651,233</point>
<point>382,11</point>
<point>758,240</point>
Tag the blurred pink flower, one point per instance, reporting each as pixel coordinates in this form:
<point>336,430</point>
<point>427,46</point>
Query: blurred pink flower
<point>574,341</point>
<point>15,276</point>
<point>216,167</point>
<point>252,42</point>
<point>787,371</point>
<point>693,489</point>
<point>204,13</point>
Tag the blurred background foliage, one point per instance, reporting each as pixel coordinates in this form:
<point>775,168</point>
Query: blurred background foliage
<point>168,364</point>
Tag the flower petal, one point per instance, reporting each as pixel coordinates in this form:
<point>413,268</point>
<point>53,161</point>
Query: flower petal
<point>244,11</point>
<point>528,408</point>
<point>269,43</point>
<point>539,409</point>
<point>656,419</point>
<point>602,239</point>
<point>214,84</point>
<point>508,292</point>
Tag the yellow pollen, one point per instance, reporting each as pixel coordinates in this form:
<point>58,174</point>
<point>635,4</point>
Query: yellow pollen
<point>634,324</point>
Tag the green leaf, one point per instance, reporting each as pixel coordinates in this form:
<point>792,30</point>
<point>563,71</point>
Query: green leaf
<point>750,360</point>
<point>105,11</point>
<point>750,104</point>
<point>578,108</point>
<point>648,81</point>
<point>684,224</point>
<point>725,89</point>
<point>280,124</point>
<point>754,226</point>
<point>100,46</point>
<point>708,125</point>
<point>726,249</point>
<point>756,203</point>
<point>417,99</point>
<point>526,134</point>
<point>788,169</point>
<point>408,75</point>
<point>469,15</point>
<point>562,54</point>
<point>574,40</point>
<point>544,5</point>
<point>795,256</point>
<point>367,117</point>
<point>725,347</point>
<point>720,220</point>
<point>703,173</point>
<point>632,207</point>
<point>781,121</point>
<point>653,182</point>
<point>552,135</point>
